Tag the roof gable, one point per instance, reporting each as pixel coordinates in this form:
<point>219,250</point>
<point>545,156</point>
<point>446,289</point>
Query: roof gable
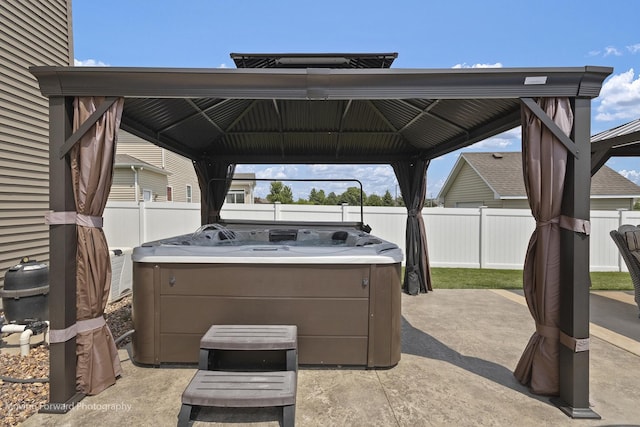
<point>502,172</point>
<point>127,161</point>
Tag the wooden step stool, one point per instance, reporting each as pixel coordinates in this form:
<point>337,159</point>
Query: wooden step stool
<point>250,388</point>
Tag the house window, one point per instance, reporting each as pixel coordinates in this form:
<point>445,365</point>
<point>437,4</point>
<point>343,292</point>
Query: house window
<point>146,195</point>
<point>188,193</point>
<point>169,194</point>
<point>235,196</point>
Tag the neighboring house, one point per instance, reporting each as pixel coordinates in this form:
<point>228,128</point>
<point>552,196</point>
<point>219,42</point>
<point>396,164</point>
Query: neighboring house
<point>495,180</point>
<point>242,188</point>
<point>136,180</point>
<point>168,177</point>
<point>32,32</point>
<point>145,172</point>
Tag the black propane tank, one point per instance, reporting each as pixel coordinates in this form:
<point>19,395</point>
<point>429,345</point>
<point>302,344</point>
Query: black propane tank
<point>25,293</point>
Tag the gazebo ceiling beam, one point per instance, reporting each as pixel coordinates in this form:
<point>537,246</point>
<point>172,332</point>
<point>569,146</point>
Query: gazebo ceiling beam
<point>505,123</point>
<point>163,141</point>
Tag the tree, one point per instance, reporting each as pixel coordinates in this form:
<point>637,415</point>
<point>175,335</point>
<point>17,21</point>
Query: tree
<point>374,200</point>
<point>387,199</point>
<point>331,199</point>
<point>280,193</point>
<point>317,197</point>
<point>352,196</point>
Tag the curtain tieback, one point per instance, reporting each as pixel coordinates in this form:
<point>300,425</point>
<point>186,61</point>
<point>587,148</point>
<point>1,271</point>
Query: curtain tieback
<point>574,344</point>
<point>63,335</point>
<point>568,223</point>
<point>73,218</point>
<point>550,332</point>
<point>412,212</point>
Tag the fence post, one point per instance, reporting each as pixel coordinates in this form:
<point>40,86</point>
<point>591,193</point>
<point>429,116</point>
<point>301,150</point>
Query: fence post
<point>344,212</point>
<point>276,210</point>
<point>142,223</point>
<point>621,220</point>
<point>482,226</point>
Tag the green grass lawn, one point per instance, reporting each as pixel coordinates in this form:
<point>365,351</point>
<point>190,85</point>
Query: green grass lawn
<point>475,278</point>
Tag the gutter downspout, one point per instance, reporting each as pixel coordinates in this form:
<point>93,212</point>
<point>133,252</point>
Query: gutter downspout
<point>135,183</point>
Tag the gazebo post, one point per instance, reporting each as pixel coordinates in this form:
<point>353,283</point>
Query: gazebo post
<point>574,273</point>
<point>62,260</point>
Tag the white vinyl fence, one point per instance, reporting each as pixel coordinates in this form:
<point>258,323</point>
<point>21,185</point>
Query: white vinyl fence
<point>456,237</point>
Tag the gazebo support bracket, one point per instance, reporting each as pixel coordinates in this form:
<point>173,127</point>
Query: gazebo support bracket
<point>549,124</point>
<point>84,128</point>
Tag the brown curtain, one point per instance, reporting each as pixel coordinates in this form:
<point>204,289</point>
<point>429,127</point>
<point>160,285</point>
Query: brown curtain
<point>544,161</point>
<point>214,179</point>
<point>91,171</point>
<point>412,179</point>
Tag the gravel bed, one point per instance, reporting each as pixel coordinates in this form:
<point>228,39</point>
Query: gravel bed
<point>19,401</point>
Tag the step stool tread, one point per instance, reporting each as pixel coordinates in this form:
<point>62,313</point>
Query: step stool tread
<point>241,389</point>
<point>250,337</point>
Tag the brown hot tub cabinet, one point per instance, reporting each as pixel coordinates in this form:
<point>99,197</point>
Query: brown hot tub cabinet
<point>347,313</point>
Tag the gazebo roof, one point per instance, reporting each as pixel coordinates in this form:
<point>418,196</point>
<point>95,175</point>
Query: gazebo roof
<point>319,115</point>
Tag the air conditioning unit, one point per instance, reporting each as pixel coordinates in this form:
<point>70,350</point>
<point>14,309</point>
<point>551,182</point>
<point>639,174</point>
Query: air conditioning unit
<point>121,273</point>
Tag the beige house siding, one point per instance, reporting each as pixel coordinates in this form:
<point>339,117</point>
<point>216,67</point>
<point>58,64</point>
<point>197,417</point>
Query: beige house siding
<point>180,168</point>
<point>515,204</point>
<point>611,204</point>
<point>154,182</point>
<point>139,148</point>
<point>469,188</point>
<point>182,173</point>
<point>32,32</point>
<point>122,187</point>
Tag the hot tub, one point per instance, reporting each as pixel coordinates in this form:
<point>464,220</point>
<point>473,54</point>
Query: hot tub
<point>339,285</point>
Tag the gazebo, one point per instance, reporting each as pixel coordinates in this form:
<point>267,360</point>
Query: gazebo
<point>323,108</point>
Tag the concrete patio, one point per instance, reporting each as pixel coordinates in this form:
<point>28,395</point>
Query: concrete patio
<point>458,352</point>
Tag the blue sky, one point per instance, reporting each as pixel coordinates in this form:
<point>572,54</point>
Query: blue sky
<point>424,33</point>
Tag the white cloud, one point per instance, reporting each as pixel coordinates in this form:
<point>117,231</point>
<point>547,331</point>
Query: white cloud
<point>506,140</point>
<point>594,53</point>
<point>619,98</point>
<point>434,189</point>
<point>246,169</point>
<point>88,63</point>
<point>611,50</point>
<point>375,178</point>
<point>223,65</point>
<point>631,175</point>
<point>465,65</point>
<point>634,48</point>
<point>277,172</point>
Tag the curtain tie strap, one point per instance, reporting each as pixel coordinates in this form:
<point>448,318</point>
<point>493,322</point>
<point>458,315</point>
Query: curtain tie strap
<point>568,223</point>
<point>555,220</point>
<point>73,218</point>
<point>63,335</point>
<point>412,212</point>
<point>576,345</point>
<point>575,224</point>
<point>550,332</point>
